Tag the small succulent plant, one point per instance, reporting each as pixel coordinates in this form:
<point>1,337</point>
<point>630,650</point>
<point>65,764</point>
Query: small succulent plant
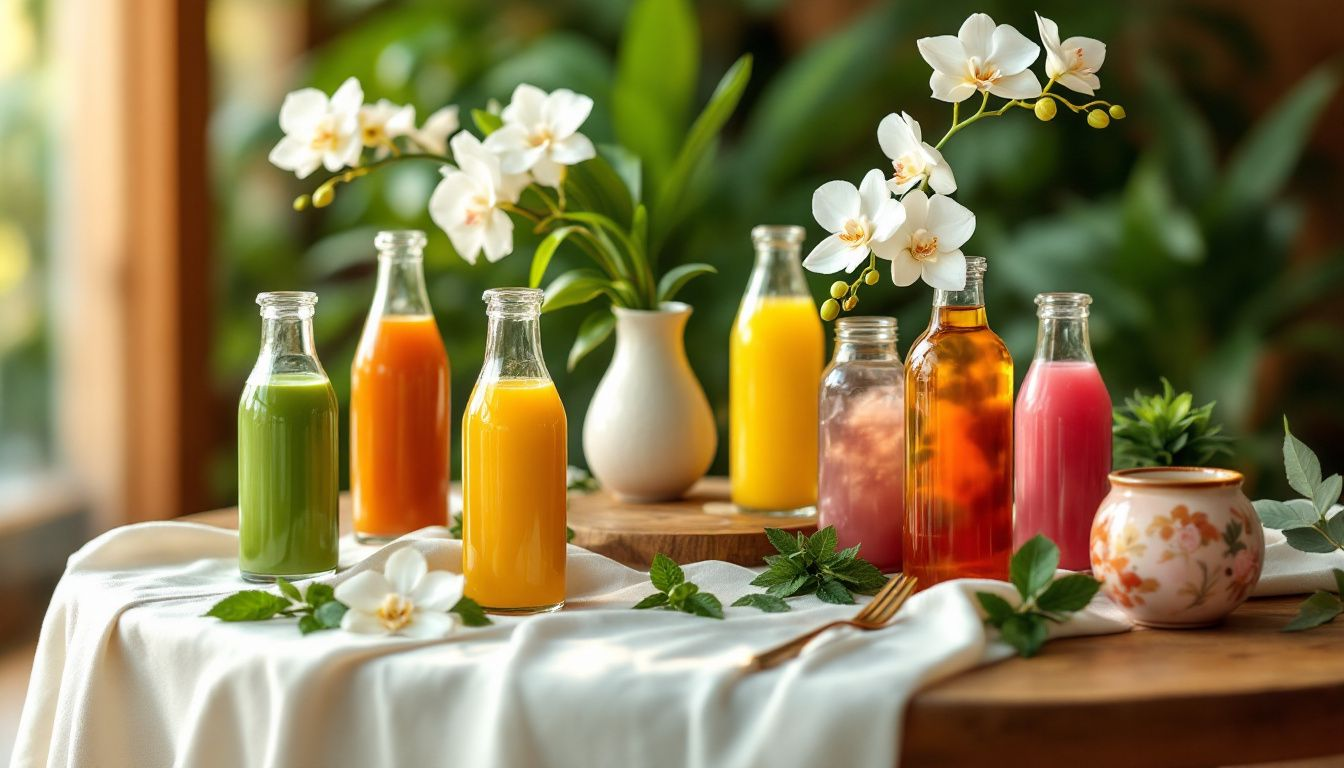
<point>1166,430</point>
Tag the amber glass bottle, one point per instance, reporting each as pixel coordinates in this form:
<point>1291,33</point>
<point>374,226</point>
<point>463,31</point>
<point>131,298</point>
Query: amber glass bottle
<point>959,442</point>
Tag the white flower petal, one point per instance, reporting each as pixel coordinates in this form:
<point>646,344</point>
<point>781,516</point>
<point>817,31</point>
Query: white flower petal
<point>1012,50</point>
<point>525,106</point>
<point>977,36</point>
<point>404,569</point>
<point>1022,85</point>
<point>564,111</point>
<point>1079,83</point>
<point>364,591</point>
<point>947,271</point>
<point>889,218</point>
<point>573,150</point>
<point>944,53</point>
<point>467,242</point>
<point>348,97</point>
<point>426,625</point>
<point>508,139</point>
<point>511,186</point>
<point>362,623</point>
<point>893,136</point>
<point>547,172</point>
<point>292,154</point>
<point>835,203</point>
<point>302,110</point>
<point>830,255</point>
<point>402,122</point>
<point>951,221</point>
<point>949,88</point>
<point>899,188</point>
<point>912,125</point>
<point>438,591</point>
<point>497,236</point>
<point>940,175</point>
<point>904,269</point>
<point>1093,51</point>
<point>433,135</point>
<point>873,193</point>
<point>916,205</point>
<point>1049,32</point>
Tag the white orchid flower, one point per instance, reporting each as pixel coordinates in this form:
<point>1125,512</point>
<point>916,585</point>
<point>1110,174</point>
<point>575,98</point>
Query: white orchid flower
<point>320,131</point>
<point>857,219</point>
<point>912,160</point>
<point>928,243</point>
<point>380,123</point>
<point>405,599</point>
<point>982,57</point>
<point>540,133</point>
<point>467,202</point>
<point>433,135</point>
<point>1074,62</point>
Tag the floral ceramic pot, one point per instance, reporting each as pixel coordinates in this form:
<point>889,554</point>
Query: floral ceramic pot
<point>1177,547</point>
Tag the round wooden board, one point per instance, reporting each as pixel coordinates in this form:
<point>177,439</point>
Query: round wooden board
<point>698,527</point>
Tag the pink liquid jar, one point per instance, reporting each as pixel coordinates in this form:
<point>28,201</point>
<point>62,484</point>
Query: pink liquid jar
<point>861,488</point>
<point>1063,435</point>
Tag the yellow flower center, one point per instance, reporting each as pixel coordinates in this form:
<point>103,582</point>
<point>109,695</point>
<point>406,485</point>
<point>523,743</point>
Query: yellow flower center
<point>476,214</point>
<point>373,134</point>
<point>540,138</point>
<point>923,245</point>
<point>857,231</point>
<point>904,169</point>
<point>982,74</point>
<point>395,612</point>
<point>324,138</point>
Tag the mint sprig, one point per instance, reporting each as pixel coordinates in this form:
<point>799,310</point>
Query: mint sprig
<point>675,593</point>
<point>317,609</point>
<point>1043,598</point>
<point>1320,608</point>
<point>808,565</point>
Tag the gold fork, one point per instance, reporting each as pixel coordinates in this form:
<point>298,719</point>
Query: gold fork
<point>874,615</point>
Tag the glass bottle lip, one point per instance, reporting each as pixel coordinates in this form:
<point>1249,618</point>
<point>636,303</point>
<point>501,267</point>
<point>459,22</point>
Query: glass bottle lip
<point>513,302</point>
<point>777,235</point>
<point>976,266</point>
<point>1062,305</point>
<point>400,243</point>
<point>866,329</point>
<point>287,303</point>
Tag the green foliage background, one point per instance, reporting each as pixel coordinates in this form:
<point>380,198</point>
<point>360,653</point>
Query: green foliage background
<point>1182,221</point>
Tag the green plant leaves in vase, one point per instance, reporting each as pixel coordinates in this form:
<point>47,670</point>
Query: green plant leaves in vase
<point>1166,430</point>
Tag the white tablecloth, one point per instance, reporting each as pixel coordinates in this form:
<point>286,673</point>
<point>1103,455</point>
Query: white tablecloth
<point>129,673</point>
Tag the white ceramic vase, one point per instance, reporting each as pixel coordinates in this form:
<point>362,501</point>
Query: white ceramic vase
<point>649,434</point>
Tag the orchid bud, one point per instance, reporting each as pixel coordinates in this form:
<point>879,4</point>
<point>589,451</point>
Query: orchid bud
<point>871,277</point>
<point>301,202</point>
<point>323,195</point>
<point>839,288</point>
<point>1098,119</point>
<point>830,310</point>
<point>1117,112</point>
<point>851,303</point>
<point>1046,110</point>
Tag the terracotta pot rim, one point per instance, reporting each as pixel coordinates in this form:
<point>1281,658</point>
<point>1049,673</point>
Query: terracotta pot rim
<point>1194,477</point>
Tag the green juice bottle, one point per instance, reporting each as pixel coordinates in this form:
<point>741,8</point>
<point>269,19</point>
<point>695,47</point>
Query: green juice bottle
<point>287,475</point>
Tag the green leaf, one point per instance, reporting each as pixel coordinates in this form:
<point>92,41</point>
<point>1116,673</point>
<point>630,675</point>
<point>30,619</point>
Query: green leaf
<point>310,624</point>
<point>799,585</point>
<point>1025,632</point>
<point>455,530</point>
<point>1300,464</point>
<point>1335,527</point>
<point>677,278</point>
<point>1316,610</point>
<point>1339,581</point>
<point>703,604</point>
<point>764,601</point>
<point>1033,565</point>
<point>665,573</point>
<point>678,594</point>
<point>541,258</point>
<point>569,534</point>
<point>822,544</point>
<point>864,577</point>
<point>847,554</point>
<point>656,600</point>
<point>289,590</point>
<point>1069,593</point>
<point>593,331</point>
<point>782,540</point>
<point>329,615</point>
<point>1282,515</point>
<point>997,610</point>
<point>575,287</point>
<point>1327,493</point>
<point>1183,138</point>
<point>486,122</point>
<point>1308,540</point>
<point>670,203</point>
<point>627,167</point>
<point>319,595</point>
<point>656,73</point>
<point>832,591</point>
<point>596,187</point>
<point>1261,164</point>
<point>471,613</point>
<point>250,605</point>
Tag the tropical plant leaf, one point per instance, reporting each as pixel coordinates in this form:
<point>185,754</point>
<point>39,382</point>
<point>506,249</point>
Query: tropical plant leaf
<point>541,258</point>
<point>656,73</point>
<point>594,330</point>
<point>578,286</point>
<point>486,122</point>
<point>677,278</point>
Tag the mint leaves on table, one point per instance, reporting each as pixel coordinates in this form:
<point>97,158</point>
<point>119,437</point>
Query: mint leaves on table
<point>811,565</point>
<point>455,530</point>
<point>1307,524</point>
<point>317,610</point>
<point>675,593</point>
<point>1043,597</point>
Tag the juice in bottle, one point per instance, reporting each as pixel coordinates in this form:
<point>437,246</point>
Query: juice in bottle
<point>1063,437</point>
<point>513,467</point>
<point>776,354</point>
<point>399,402</point>
<point>959,442</point>
<point>288,496</point>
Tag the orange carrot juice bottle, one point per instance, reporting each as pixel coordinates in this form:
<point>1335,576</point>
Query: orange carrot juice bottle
<point>399,402</point>
<point>959,442</point>
<point>776,353</point>
<point>513,467</point>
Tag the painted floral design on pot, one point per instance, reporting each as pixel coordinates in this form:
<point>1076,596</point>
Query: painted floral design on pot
<point>1177,546</point>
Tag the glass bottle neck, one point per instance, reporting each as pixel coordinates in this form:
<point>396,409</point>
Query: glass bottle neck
<point>1063,339</point>
<point>513,347</point>
<point>401,285</point>
<point>778,271</point>
<point>866,351</point>
<point>961,309</point>
<point>286,346</point>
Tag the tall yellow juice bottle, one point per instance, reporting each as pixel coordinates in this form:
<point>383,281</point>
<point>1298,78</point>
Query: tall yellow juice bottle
<point>776,355</point>
<point>513,467</point>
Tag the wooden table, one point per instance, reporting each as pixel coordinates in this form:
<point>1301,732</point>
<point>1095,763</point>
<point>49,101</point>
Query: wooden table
<point>1240,693</point>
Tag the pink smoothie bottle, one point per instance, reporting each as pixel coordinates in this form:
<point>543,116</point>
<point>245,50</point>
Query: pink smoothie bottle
<point>1063,433</point>
<point>861,489</point>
